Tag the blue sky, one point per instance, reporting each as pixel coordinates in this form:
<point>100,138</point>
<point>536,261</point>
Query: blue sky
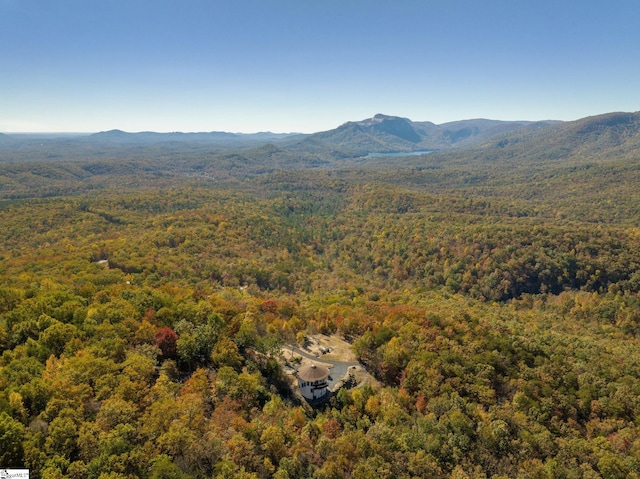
<point>300,65</point>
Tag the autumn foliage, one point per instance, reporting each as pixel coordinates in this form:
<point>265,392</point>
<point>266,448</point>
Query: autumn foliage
<point>166,339</point>
<point>143,332</point>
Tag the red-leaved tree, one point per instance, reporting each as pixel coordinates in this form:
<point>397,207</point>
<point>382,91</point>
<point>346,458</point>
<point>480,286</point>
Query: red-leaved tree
<point>166,339</point>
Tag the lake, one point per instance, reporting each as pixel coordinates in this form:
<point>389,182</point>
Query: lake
<point>399,153</point>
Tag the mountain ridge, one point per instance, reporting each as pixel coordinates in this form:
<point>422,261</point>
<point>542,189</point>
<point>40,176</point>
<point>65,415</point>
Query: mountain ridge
<point>610,134</point>
<point>381,131</point>
<point>385,133</point>
<point>606,134</point>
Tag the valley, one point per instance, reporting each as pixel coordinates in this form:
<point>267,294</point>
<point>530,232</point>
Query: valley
<point>151,285</point>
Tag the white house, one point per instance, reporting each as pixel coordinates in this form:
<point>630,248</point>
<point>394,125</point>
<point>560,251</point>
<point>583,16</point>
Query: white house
<point>312,381</point>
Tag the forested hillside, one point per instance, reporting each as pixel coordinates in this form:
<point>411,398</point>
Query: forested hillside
<point>496,302</point>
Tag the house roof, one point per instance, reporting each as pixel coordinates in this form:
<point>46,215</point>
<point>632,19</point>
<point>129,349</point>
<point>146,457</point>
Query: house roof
<point>313,372</point>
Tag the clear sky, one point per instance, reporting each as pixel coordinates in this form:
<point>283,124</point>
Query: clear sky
<point>303,65</point>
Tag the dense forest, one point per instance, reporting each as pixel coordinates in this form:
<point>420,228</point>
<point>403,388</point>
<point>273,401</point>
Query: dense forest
<point>496,302</point>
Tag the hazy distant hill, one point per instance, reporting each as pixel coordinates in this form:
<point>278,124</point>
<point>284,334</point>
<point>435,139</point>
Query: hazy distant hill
<point>218,138</point>
<point>4,138</point>
<point>468,132</point>
<point>118,144</point>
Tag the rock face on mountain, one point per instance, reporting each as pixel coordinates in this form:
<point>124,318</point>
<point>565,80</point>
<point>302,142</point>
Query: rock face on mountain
<point>391,125</point>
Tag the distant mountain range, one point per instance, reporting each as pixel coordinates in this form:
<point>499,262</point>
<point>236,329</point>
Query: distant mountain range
<point>602,134</point>
<point>464,154</point>
<point>384,133</point>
